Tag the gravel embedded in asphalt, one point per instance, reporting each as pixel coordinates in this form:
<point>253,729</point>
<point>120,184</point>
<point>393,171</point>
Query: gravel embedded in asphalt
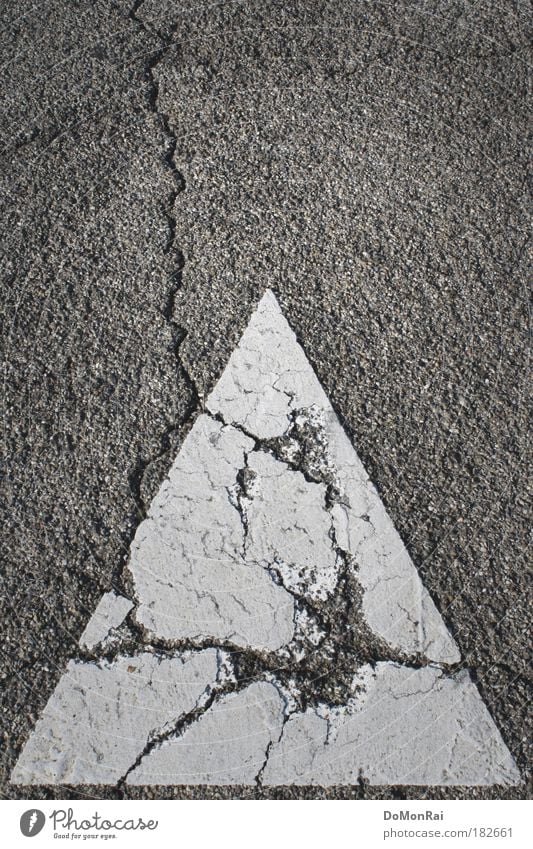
<point>164,164</point>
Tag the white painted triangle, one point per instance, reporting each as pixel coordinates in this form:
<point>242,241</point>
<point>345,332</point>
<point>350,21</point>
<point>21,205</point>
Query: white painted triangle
<point>266,516</point>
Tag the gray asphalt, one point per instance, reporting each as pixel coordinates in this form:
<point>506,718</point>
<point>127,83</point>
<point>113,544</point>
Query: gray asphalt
<point>165,163</point>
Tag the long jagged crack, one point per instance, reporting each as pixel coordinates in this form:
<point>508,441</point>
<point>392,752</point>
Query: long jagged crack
<point>209,696</point>
<point>121,580</point>
<point>288,710</point>
<point>239,494</point>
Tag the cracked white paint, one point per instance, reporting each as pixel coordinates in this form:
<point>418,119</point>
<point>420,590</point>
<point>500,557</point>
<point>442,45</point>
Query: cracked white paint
<point>197,569</point>
<point>289,527</point>
<point>396,605</point>
<point>410,726</point>
<point>227,745</point>
<point>268,376</point>
<point>110,613</point>
<point>192,578</point>
<point>101,716</point>
<point>237,533</point>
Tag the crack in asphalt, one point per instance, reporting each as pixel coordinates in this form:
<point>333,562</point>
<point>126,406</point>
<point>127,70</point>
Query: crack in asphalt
<point>325,674</point>
<point>137,475</point>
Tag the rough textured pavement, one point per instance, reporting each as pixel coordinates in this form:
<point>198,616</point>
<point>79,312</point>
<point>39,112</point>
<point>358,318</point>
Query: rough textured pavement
<point>164,164</point>
<point>268,552</point>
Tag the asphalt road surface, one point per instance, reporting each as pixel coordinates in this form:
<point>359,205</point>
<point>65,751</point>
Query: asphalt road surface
<point>163,164</point>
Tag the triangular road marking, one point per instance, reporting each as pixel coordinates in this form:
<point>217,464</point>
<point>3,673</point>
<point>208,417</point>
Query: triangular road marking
<point>285,634</point>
